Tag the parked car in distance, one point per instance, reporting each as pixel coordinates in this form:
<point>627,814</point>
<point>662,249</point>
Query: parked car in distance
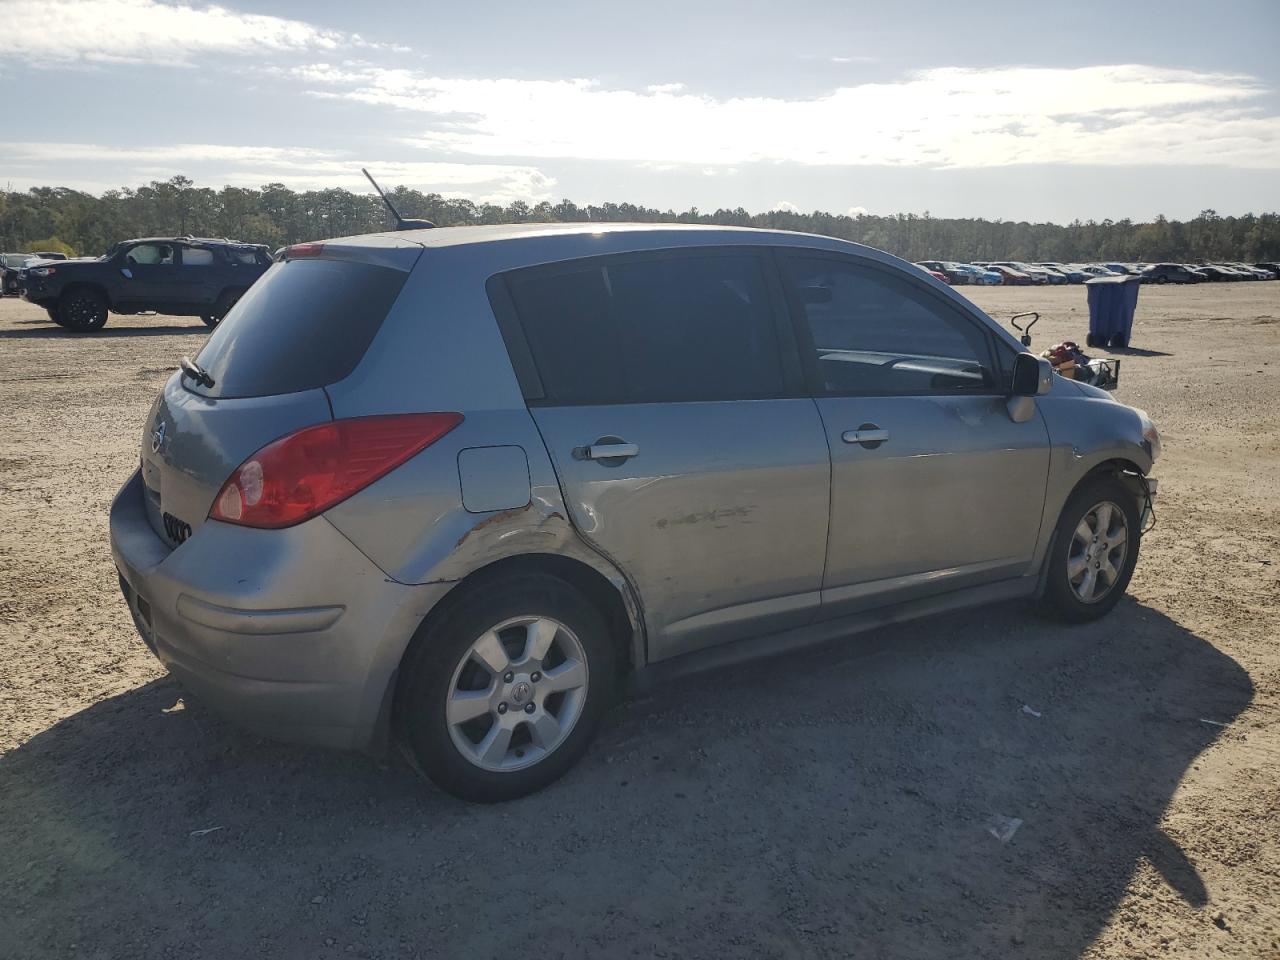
<point>936,274</point>
<point>1252,272</point>
<point>950,269</point>
<point>980,276</point>
<point>1035,273</point>
<point>1011,276</point>
<point>359,515</point>
<point>1095,270</point>
<point>184,276</point>
<point>1211,272</point>
<point>1050,276</point>
<point>49,255</point>
<point>1271,268</point>
<point>1171,273</point>
<point>1233,270</point>
<point>1070,274</point>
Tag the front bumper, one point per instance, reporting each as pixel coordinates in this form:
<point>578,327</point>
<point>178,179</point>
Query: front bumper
<point>36,291</point>
<point>294,634</point>
<point>1149,488</point>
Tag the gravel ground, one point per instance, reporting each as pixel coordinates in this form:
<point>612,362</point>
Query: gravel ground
<point>834,804</point>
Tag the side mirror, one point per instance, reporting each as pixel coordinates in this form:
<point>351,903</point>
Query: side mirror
<point>1032,376</point>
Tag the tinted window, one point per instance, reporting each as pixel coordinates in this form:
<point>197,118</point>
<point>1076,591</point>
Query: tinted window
<point>878,333</point>
<point>305,324</point>
<point>243,255</point>
<point>639,330</point>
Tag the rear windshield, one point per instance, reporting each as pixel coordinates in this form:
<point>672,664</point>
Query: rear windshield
<point>304,325</point>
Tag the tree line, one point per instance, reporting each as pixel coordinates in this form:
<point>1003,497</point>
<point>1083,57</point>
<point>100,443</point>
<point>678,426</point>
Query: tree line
<point>75,222</point>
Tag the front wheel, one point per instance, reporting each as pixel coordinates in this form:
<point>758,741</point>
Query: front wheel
<point>502,695</point>
<point>1094,552</point>
<point>82,310</point>
<point>53,315</point>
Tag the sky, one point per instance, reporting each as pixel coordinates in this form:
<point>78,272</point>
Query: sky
<point>1014,111</point>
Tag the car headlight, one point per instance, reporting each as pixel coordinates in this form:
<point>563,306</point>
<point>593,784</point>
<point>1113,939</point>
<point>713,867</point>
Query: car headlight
<point>1150,436</point>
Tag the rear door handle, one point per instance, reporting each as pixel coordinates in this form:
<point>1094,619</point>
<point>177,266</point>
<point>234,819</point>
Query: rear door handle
<point>866,434</point>
<point>611,451</point>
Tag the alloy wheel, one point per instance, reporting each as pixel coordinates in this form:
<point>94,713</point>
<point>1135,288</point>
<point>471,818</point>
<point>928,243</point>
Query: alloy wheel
<point>517,693</point>
<point>1097,553</point>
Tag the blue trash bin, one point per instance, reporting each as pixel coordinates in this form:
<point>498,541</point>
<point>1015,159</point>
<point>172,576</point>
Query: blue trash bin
<point>1112,302</point>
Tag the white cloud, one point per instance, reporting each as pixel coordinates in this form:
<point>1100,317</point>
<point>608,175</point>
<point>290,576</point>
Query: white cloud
<point>944,117</point>
<point>252,166</point>
<point>857,211</point>
<point>149,31</point>
<point>786,206</point>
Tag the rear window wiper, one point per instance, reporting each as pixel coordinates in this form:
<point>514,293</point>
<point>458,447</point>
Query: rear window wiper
<point>195,372</point>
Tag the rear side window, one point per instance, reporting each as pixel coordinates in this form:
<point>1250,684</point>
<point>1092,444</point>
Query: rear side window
<point>197,257</point>
<point>305,324</point>
<point>246,255</point>
<point>653,329</point>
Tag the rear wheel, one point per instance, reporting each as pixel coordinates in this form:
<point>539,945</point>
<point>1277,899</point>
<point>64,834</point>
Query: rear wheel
<point>82,309</point>
<point>220,309</point>
<point>1094,552</point>
<point>503,694</point>
<point>53,315</point>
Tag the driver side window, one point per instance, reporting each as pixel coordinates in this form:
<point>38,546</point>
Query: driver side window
<point>150,254</point>
<point>879,334</point>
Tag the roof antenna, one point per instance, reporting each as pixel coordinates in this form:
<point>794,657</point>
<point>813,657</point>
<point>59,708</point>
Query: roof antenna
<point>401,222</point>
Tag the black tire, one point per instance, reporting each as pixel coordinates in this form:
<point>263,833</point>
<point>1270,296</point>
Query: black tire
<point>442,647</point>
<point>82,309</point>
<point>1061,597</point>
<point>225,302</point>
<point>53,315</point>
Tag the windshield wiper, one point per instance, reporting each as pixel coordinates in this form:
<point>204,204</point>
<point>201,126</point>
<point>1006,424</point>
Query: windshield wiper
<point>195,372</point>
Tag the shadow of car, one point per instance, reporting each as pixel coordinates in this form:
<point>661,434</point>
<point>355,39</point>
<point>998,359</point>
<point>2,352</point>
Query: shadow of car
<point>849,792</point>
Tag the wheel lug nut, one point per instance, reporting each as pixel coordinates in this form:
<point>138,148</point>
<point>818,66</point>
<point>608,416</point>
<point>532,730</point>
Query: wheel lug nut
<point>502,708</point>
<point>536,676</point>
<point>528,708</point>
<point>508,677</point>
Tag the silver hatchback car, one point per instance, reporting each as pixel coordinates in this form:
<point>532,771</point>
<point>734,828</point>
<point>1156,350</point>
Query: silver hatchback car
<point>454,489</point>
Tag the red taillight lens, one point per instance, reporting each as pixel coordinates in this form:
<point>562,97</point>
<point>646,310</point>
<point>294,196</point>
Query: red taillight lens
<point>300,251</point>
<point>307,472</point>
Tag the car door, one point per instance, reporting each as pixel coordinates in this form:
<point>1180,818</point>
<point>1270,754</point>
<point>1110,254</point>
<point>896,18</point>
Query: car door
<point>200,271</point>
<point>149,274</point>
<point>668,392</point>
<point>933,485</point>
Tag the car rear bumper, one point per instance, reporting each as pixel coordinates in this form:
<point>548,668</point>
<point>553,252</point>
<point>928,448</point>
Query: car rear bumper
<point>294,634</point>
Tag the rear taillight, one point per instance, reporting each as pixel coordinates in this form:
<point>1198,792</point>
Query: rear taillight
<point>306,472</point>
<point>303,251</point>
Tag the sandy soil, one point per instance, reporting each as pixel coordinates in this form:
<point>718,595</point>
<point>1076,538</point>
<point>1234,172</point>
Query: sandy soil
<point>831,805</point>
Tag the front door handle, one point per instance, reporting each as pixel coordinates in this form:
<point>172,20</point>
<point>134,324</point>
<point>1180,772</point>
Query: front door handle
<point>611,451</point>
<point>869,435</point>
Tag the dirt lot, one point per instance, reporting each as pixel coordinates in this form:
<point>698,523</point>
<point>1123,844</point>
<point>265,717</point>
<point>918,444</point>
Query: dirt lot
<point>832,805</point>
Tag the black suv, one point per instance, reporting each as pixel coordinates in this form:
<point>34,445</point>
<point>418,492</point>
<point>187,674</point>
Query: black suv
<point>185,276</point>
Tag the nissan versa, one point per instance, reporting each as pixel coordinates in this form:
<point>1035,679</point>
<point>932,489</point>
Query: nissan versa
<point>453,489</point>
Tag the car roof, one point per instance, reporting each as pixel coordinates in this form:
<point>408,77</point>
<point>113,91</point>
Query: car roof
<point>220,241</point>
<point>584,238</point>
